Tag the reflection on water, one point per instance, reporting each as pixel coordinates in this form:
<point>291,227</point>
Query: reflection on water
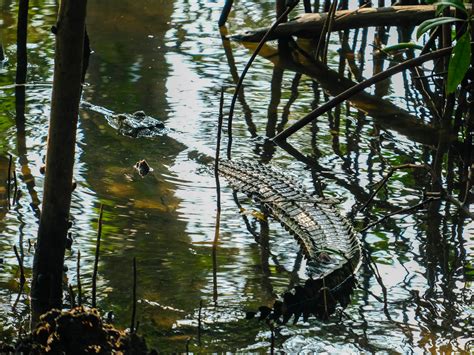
<point>167,58</point>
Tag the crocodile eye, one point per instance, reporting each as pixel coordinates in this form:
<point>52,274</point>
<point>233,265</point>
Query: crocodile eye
<point>139,114</point>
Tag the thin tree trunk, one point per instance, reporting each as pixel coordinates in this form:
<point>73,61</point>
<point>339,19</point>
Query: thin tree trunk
<point>46,288</point>
<point>21,36</point>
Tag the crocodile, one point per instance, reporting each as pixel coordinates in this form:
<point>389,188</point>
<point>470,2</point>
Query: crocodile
<point>135,125</point>
<point>327,240</point>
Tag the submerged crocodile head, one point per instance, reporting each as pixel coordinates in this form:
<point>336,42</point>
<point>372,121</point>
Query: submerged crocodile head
<point>138,124</point>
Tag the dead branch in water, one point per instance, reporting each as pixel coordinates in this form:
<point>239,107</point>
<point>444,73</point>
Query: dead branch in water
<point>358,88</point>
<point>311,25</point>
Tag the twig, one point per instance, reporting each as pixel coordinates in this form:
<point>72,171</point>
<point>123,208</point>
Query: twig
<point>457,203</point>
<point>96,261</point>
<point>272,339</point>
<point>430,75</point>
<point>246,69</point>
<point>218,192</point>
<point>20,291</point>
<point>78,276</point>
<point>225,12</point>
<point>324,30</point>
<point>331,17</point>
<point>403,210</point>
<point>442,191</point>
<point>134,296</point>
<point>20,264</point>
<point>385,180</point>
<point>22,276</point>
<point>358,88</point>
<point>9,180</point>
<point>15,187</point>
<point>72,297</point>
<point>470,177</point>
<point>424,89</point>
<point>218,145</point>
<point>199,322</point>
<point>375,270</point>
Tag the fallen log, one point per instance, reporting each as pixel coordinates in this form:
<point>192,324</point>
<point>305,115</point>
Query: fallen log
<point>310,25</point>
<point>385,113</point>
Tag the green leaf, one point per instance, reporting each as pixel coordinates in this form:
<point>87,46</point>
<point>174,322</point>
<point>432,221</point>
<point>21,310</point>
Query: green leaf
<point>441,5</point>
<point>459,62</point>
<point>429,24</point>
<point>399,46</point>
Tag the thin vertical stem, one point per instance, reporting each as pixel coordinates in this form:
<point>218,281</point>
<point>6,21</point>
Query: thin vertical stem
<point>20,264</point>
<point>225,12</point>
<point>72,296</point>
<point>134,296</point>
<point>199,321</point>
<point>78,276</point>
<point>97,253</point>
<point>246,69</point>
<point>272,339</point>
<point>328,35</point>
<point>9,180</point>
<point>15,187</point>
<point>218,192</point>
<point>22,61</point>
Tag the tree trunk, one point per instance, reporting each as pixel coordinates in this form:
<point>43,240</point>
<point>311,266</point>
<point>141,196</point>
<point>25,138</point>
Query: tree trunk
<point>46,288</point>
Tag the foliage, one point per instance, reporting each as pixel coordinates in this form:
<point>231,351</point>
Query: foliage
<point>461,54</point>
<point>459,62</point>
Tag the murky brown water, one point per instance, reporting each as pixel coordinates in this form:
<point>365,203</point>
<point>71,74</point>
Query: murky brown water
<point>167,58</point>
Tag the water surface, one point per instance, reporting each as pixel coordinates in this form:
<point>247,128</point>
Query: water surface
<point>168,59</point>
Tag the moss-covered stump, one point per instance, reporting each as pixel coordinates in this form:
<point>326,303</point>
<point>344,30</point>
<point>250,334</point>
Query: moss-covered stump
<point>77,331</point>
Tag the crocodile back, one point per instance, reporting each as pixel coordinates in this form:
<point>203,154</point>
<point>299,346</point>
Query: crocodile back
<point>326,238</point>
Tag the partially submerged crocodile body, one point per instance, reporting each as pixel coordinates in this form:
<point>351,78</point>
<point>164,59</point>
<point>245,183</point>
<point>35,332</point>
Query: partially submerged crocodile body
<point>329,243</point>
<point>135,125</point>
